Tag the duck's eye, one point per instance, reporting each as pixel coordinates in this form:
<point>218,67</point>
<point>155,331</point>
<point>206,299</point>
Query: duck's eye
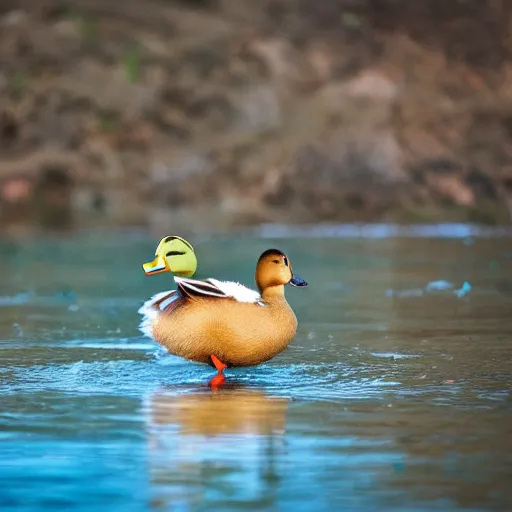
<point>285,261</point>
<point>175,253</point>
<point>276,261</point>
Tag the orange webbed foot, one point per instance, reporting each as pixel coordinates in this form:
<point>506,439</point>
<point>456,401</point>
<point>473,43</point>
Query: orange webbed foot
<point>218,363</point>
<point>219,379</point>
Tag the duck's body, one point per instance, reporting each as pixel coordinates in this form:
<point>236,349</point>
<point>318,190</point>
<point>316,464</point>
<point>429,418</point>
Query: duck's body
<point>238,332</point>
<point>224,323</point>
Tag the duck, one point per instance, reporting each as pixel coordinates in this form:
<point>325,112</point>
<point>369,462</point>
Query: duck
<point>222,323</point>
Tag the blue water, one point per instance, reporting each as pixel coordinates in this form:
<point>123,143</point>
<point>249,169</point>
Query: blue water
<point>395,394</point>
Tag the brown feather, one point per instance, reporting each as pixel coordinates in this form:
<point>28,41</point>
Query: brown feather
<point>239,334</point>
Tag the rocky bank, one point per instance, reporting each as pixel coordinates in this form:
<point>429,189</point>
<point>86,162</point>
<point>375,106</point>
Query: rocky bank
<point>209,114</point>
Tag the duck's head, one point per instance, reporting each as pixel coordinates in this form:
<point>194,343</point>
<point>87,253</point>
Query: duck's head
<point>173,254</point>
<point>274,269</point>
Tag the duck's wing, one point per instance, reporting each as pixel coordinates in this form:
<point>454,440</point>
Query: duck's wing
<point>212,288</point>
<point>159,302</point>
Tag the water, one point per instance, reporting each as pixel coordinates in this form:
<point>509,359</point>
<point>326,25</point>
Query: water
<point>394,396</point>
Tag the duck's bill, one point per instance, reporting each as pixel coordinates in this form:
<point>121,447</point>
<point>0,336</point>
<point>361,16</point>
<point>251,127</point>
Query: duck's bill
<point>297,281</point>
<point>157,266</point>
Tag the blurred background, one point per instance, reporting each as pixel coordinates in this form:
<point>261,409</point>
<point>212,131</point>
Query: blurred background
<point>210,114</point>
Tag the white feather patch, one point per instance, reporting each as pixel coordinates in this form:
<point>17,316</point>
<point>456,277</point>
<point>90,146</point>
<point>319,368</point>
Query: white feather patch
<point>150,311</point>
<point>237,291</point>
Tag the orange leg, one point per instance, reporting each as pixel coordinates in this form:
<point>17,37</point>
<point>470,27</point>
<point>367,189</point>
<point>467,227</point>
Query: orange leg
<point>218,363</point>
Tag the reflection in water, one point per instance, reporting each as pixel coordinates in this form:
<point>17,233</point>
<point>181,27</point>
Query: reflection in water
<point>213,447</point>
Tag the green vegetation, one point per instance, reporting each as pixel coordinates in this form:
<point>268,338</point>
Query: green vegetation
<point>110,121</point>
<point>17,83</point>
<point>132,63</point>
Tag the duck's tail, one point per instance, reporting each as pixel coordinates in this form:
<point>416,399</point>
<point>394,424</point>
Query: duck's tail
<point>152,308</point>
